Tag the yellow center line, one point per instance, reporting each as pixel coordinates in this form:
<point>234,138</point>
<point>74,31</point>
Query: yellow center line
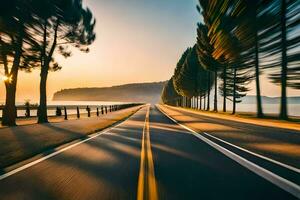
<point>147,189</point>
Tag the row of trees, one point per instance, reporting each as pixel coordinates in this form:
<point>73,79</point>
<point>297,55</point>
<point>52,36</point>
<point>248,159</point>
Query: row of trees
<point>240,40</point>
<point>31,33</point>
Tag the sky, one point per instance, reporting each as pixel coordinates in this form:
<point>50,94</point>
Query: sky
<point>137,41</point>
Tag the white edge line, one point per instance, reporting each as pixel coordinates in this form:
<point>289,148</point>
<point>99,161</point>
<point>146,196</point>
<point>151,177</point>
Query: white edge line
<point>297,170</point>
<point>281,182</point>
<point>28,165</point>
<point>294,169</point>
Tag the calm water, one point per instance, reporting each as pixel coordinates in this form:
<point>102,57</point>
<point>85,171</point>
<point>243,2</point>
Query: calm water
<point>293,109</point>
<point>51,112</point>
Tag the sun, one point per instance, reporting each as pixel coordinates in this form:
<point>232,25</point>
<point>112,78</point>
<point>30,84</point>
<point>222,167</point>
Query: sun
<point>6,78</point>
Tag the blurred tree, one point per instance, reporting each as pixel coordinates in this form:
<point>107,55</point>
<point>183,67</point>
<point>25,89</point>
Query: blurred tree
<point>59,24</point>
<point>247,30</point>
<point>177,72</point>
<point>288,75</point>
<point>222,18</point>
<point>169,95</point>
<point>15,20</point>
<point>236,85</point>
<point>192,79</point>
<point>205,50</point>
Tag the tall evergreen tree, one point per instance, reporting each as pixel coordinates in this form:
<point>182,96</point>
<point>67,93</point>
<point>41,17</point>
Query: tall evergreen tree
<point>205,50</point>
<point>192,79</point>
<point>177,73</point>
<point>169,95</point>
<point>248,26</point>
<point>234,54</point>
<point>287,75</point>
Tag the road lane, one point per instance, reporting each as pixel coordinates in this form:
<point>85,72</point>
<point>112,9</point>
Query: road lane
<point>103,168</point>
<point>186,167</point>
<point>278,171</point>
<point>147,188</point>
<point>276,143</point>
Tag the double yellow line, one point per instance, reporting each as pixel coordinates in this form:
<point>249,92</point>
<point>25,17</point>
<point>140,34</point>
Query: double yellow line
<point>147,189</point>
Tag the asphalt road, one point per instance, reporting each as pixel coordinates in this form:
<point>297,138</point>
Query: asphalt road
<point>146,157</point>
<point>278,143</point>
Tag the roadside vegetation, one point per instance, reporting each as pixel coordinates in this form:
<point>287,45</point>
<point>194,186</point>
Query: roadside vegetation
<point>238,42</point>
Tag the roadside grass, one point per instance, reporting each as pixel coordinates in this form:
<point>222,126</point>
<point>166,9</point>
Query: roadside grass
<point>20,143</point>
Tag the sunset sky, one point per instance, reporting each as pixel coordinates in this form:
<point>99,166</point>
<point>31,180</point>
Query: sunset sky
<point>137,41</point>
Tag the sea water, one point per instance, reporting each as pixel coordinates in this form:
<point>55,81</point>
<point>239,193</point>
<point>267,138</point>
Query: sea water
<point>51,112</point>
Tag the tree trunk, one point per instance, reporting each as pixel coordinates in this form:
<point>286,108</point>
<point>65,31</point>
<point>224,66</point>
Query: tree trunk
<point>200,107</point>
<point>42,109</point>
<point>216,92</point>
<point>234,92</point>
<point>195,102</point>
<point>224,89</point>
<point>283,103</point>
<point>208,91</point>
<point>259,111</point>
<point>10,110</point>
<point>186,102</point>
<point>204,102</point>
<point>9,114</point>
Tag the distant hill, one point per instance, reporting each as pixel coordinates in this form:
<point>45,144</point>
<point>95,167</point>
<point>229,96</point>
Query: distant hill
<point>140,92</point>
<point>136,92</point>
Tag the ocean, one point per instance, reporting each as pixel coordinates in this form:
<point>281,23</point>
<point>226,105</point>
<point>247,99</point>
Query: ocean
<point>293,109</point>
<point>51,112</point>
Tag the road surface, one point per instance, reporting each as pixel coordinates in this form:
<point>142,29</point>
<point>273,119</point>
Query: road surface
<point>147,156</point>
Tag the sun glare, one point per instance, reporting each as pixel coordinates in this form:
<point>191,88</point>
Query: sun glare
<point>6,78</point>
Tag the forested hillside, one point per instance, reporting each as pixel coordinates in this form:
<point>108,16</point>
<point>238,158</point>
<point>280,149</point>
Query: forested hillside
<point>137,92</point>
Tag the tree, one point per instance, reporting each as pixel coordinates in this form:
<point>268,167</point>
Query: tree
<point>247,30</point>
<point>15,20</point>
<point>59,24</point>
<point>178,69</point>
<point>192,79</point>
<point>288,74</point>
<point>169,95</point>
<point>205,50</point>
<point>222,20</point>
<point>236,85</point>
